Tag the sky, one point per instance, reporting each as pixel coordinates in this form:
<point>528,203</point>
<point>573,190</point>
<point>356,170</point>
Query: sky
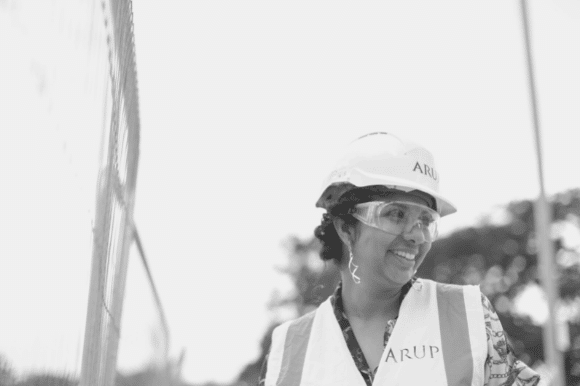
<point>243,108</point>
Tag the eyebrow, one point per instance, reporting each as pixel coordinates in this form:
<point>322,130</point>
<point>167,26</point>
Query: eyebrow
<point>424,211</point>
<point>399,204</point>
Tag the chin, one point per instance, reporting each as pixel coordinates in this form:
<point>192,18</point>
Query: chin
<point>401,280</point>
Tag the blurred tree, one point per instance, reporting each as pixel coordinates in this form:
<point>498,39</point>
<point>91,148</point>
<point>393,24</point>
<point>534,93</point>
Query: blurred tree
<point>151,375</point>
<point>312,280</point>
<point>6,373</point>
<point>251,373</point>
<point>47,379</point>
<point>145,377</point>
<point>499,254</point>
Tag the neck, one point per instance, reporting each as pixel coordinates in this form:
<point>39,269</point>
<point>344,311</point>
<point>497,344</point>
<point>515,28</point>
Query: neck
<point>366,302</point>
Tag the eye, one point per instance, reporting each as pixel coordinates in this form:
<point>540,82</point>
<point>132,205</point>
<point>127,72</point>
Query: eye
<point>427,220</point>
<point>394,214</point>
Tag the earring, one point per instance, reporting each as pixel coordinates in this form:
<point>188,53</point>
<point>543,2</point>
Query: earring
<point>352,271</point>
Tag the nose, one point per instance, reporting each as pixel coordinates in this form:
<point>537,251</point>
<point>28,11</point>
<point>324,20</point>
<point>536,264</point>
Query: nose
<point>415,232</point>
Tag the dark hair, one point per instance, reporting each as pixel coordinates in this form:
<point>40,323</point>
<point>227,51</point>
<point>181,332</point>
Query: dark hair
<point>332,246</point>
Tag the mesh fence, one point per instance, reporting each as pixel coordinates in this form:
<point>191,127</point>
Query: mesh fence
<point>68,159</point>
<point>113,232</point>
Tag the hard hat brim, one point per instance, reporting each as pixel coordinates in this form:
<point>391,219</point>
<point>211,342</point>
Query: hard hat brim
<point>360,179</point>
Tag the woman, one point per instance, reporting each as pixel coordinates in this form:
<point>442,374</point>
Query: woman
<point>382,325</point>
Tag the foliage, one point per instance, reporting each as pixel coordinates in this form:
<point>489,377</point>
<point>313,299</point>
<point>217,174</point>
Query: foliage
<point>6,373</point>
<point>48,380</point>
<point>313,282</point>
<point>250,374</point>
<point>150,376</point>
<point>501,256</point>
<point>8,377</point>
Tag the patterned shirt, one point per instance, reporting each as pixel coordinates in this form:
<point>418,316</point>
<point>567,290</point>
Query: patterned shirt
<point>502,368</point>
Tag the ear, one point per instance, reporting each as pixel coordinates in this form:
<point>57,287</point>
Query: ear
<point>343,231</point>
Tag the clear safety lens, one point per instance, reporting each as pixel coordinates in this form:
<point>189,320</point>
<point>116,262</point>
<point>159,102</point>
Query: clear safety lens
<point>398,217</point>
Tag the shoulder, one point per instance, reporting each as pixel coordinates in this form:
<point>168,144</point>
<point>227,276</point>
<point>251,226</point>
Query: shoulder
<point>444,289</point>
<point>454,297</point>
<point>501,366</point>
<point>447,286</point>
<point>475,291</point>
<point>304,321</point>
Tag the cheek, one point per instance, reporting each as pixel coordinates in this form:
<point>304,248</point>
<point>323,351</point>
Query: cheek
<point>376,242</point>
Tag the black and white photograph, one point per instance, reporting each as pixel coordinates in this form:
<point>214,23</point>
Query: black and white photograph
<point>289,193</point>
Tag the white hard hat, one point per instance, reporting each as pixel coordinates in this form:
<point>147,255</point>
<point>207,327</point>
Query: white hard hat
<point>384,159</point>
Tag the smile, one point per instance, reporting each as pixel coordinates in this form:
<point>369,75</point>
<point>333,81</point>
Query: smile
<point>405,255</point>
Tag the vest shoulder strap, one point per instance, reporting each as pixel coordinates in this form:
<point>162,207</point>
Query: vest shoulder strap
<point>289,346</point>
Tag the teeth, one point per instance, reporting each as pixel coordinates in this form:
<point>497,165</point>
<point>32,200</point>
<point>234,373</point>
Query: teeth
<point>405,255</point>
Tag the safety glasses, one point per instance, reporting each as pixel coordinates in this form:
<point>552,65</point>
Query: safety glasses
<point>398,217</point>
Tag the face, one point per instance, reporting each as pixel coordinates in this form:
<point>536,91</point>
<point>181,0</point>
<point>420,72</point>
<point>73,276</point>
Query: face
<point>387,260</point>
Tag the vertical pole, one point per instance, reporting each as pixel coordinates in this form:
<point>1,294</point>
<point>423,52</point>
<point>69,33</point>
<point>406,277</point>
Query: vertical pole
<point>95,323</point>
<point>543,220</point>
<point>113,232</point>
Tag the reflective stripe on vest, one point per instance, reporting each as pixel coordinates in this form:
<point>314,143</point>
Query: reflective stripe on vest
<point>437,345</point>
<point>454,333</point>
<point>295,346</point>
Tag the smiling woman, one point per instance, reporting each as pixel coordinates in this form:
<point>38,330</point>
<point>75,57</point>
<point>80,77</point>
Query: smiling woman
<point>383,325</point>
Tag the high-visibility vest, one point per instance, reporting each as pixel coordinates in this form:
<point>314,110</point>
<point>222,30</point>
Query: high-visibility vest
<point>439,339</point>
